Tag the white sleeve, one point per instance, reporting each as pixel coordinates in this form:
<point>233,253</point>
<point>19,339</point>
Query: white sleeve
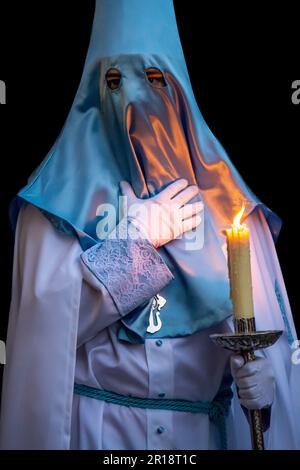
<point>58,302</point>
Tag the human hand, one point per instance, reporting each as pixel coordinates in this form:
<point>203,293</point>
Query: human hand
<point>167,215</point>
<point>255,381</point>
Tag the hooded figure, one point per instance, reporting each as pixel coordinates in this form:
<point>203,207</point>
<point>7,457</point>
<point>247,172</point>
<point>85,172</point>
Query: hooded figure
<point>81,303</point>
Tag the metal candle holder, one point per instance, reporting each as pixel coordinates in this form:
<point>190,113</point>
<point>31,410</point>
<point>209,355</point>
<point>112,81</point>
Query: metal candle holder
<point>246,340</point>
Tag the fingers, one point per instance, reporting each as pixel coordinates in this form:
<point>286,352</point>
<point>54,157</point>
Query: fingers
<point>191,223</point>
<point>186,195</point>
<point>247,383</point>
<point>170,191</point>
<point>173,218</point>
<point>255,381</point>
<point>236,363</point>
<point>249,370</point>
<point>257,397</point>
<point>250,393</point>
<point>189,210</point>
<point>253,403</point>
<point>240,369</point>
<point>127,190</point>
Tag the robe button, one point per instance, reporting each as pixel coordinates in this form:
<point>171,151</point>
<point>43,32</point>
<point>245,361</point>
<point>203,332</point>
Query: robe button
<point>160,430</point>
<point>159,342</point>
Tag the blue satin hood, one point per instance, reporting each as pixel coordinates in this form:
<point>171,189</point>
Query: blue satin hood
<point>148,136</point>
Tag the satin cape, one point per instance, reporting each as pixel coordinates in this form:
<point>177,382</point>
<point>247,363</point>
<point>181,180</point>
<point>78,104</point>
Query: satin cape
<point>149,136</point>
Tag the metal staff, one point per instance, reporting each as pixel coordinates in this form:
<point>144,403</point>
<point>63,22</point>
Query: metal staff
<point>246,340</point>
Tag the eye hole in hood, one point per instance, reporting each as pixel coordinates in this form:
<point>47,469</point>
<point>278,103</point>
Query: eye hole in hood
<point>156,77</point>
<point>113,78</point>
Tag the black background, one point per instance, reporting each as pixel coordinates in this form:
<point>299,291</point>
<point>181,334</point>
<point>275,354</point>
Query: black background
<point>236,58</point>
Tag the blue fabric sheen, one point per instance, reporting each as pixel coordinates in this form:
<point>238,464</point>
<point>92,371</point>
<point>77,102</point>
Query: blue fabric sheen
<point>149,136</point>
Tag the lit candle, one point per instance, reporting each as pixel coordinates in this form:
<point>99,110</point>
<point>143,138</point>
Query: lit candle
<point>239,266</point>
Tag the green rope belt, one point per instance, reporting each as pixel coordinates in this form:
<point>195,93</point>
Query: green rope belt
<point>217,410</point>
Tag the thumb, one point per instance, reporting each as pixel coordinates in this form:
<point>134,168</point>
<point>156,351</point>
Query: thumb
<point>236,363</point>
<point>126,190</point>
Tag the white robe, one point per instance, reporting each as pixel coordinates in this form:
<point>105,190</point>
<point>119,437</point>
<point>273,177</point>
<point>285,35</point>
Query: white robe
<point>62,328</point>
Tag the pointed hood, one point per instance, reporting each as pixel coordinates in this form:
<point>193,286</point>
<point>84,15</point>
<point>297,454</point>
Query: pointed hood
<point>134,27</point>
<point>148,133</point>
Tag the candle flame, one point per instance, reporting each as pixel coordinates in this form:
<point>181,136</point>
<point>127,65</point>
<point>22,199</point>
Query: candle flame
<point>238,218</point>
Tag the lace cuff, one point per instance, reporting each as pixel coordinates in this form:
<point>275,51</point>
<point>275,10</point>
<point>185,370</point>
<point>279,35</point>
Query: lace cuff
<point>128,266</point>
